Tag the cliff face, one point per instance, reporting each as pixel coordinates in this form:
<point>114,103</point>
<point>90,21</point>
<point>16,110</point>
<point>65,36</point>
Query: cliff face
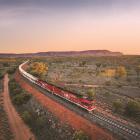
<point>65,53</point>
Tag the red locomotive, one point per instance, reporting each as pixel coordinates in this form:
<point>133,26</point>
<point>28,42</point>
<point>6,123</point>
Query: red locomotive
<point>82,102</point>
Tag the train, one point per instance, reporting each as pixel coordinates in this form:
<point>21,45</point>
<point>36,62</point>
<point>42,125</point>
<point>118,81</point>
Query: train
<point>83,102</point>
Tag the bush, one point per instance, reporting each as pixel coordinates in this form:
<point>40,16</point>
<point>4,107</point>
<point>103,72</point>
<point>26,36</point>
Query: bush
<point>12,84</point>
<point>16,91</point>
<point>91,94</point>
<point>26,97</point>
<point>121,72</point>
<point>1,75</point>
<point>20,99</point>
<point>40,121</point>
<point>11,71</point>
<point>79,135</point>
<point>26,116</point>
<point>17,100</point>
<point>5,64</point>
<point>117,106</point>
<point>133,110</point>
<point>14,88</point>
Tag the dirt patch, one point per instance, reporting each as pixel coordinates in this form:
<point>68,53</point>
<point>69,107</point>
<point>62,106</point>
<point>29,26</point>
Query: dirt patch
<point>20,130</point>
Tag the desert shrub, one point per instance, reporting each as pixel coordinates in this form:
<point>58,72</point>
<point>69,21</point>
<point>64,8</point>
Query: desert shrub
<point>40,121</point>
<point>14,87</point>
<point>121,72</point>
<point>17,100</point>
<point>27,117</point>
<point>1,75</point>
<point>11,70</point>
<point>132,109</point>
<point>5,64</point>
<point>91,93</point>
<point>83,63</point>
<point>20,99</point>
<point>79,135</point>
<point>16,91</point>
<point>12,84</point>
<point>117,106</point>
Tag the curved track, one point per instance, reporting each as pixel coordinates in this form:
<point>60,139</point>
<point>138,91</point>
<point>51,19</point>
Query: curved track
<point>127,132</point>
<point>116,127</point>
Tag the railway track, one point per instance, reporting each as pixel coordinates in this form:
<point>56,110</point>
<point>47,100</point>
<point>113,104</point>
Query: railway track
<point>116,127</point>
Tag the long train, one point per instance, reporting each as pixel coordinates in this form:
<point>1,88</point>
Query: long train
<point>82,102</point>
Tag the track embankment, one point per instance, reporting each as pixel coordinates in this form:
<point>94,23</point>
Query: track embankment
<point>64,114</point>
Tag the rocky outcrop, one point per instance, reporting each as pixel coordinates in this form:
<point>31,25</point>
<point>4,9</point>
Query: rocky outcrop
<point>65,53</point>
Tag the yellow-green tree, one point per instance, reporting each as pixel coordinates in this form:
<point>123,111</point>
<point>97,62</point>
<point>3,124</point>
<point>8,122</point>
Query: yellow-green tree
<point>39,69</point>
<point>91,93</point>
<point>121,71</point>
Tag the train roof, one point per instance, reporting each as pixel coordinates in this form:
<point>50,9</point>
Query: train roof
<point>26,73</point>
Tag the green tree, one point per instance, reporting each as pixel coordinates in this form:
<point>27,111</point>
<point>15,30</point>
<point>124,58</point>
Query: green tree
<point>117,106</point>
<point>27,117</point>
<point>79,135</point>
<point>40,121</point>
<point>91,93</point>
<point>1,75</point>
<point>133,109</point>
<point>20,99</point>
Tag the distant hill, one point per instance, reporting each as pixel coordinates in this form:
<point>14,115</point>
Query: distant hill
<point>64,53</point>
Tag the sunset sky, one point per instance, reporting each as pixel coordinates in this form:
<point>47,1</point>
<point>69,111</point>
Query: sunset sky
<point>62,25</point>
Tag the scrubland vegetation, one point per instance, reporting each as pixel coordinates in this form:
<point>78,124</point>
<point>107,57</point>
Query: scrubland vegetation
<point>8,65</point>
<point>18,96</point>
<point>42,122</point>
<point>44,125</point>
<point>5,131</point>
<point>114,81</point>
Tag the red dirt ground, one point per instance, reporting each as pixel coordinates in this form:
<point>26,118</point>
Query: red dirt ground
<point>65,114</point>
<point>18,127</point>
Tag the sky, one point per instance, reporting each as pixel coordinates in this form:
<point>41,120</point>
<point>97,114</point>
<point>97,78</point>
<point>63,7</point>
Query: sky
<point>65,25</point>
